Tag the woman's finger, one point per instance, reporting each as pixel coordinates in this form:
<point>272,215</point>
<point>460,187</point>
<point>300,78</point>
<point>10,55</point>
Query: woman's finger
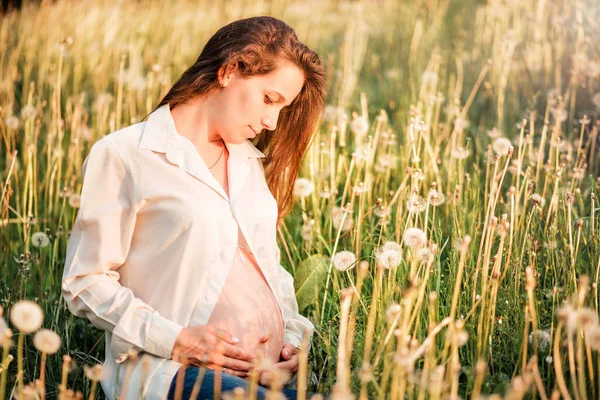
<point>229,371</point>
<point>233,351</point>
<point>226,336</point>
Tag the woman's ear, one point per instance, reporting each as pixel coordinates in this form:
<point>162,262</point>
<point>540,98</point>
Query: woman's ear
<point>226,73</point>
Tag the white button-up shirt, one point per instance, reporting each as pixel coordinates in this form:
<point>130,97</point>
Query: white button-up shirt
<point>154,240</point>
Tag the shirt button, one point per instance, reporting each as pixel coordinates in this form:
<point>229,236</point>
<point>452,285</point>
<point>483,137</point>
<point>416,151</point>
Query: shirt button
<point>226,254</point>
<point>207,298</point>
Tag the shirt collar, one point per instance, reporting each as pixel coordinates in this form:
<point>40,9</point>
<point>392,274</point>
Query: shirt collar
<point>160,135</point>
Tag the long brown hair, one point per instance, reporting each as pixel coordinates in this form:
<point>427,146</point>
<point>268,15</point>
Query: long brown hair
<point>254,45</point>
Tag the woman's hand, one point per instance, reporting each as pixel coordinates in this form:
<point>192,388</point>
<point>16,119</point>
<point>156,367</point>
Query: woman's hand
<point>211,347</point>
<point>287,366</point>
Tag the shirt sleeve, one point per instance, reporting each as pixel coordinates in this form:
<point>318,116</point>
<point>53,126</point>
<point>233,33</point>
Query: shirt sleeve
<point>295,324</point>
<point>98,246</point>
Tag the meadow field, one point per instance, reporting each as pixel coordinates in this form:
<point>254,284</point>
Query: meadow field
<point>444,241</point>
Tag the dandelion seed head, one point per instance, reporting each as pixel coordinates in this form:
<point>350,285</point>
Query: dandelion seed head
<point>502,146</point>
<point>414,237</point>
<point>538,200</point>
<point>587,318</point>
<point>28,112</point>
<point>337,215</point>
<point>435,198</point>
<point>303,187</point>
<point>416,204</point>
<point>26,316</point>
<point>95,373</point>
<point>392,312</point>
<point>381,211</point>
<point>75,200</point>
<point>12,123</point>
<point>39,239</point>
<point>47,341</point>
<point>560,114</point>
<point>423,254</point>
<point>543,339</point>
<point>460,153</point>
<point>389,259</point>
<point>359,126</point>
<point>344,260</point>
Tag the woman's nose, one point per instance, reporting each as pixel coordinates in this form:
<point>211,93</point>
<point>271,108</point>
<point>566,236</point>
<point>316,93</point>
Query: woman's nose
<point>269,122</point>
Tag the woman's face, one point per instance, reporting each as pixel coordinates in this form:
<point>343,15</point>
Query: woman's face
<point>248,105</point>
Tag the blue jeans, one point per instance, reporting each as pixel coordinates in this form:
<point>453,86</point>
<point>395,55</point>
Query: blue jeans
<point>228,383</point>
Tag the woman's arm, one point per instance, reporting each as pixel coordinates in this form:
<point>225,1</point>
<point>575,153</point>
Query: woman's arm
<point>98,246</point>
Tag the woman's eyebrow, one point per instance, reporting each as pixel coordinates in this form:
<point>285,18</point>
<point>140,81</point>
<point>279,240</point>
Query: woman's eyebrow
<point>281,97</point>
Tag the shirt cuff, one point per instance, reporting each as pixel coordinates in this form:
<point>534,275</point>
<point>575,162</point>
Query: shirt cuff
<point>293,339</point>
<point>162,336</point>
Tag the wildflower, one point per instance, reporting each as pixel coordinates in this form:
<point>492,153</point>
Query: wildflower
<point>389,255</point>
<point>95,373</point>
<point>337,214</point>
<point>46,341</point>
<point>75,200</point>
<point>543,339</point>
<point>360,126</point>
<point>27,316</point>
<point>392,312</point>
<point>12,123</point>
<point>538,200</point>
<point>460,153</point>
<point>416,204</point>
<point>502,146</point>
<point>28,112</point>
<point>549,359</point>
<point>435,198</point>
<point>414,237</point>
<point>344,260</point>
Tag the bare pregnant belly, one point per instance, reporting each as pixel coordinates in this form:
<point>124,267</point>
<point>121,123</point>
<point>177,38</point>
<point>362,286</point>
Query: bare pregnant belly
<point>247,308</point>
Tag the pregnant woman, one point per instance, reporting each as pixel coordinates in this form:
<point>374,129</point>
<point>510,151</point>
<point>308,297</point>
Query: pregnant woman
<point>173,252</point>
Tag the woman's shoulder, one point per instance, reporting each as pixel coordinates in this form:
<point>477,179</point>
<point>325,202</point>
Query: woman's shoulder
<point>121,142</point>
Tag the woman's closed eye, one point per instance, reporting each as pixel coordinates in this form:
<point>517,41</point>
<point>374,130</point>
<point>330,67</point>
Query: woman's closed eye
<point>268,100</point>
